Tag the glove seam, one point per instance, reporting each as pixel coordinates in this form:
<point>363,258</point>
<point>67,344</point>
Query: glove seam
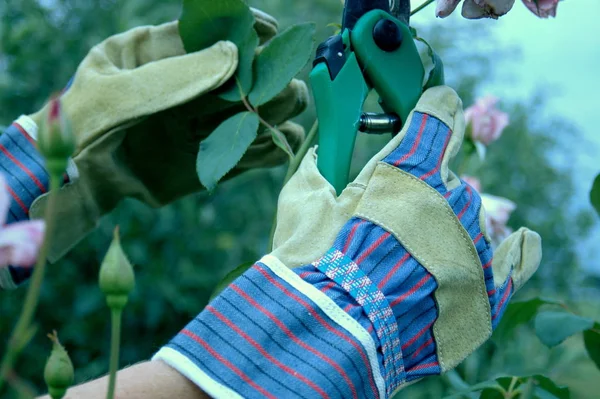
<point>439,199</point>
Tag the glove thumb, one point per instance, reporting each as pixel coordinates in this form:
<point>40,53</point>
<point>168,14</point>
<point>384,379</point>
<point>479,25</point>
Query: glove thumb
<point>521,252</point>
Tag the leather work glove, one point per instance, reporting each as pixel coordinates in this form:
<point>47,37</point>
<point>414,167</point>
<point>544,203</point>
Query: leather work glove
<point>139,107</point>
<point>391,281</point>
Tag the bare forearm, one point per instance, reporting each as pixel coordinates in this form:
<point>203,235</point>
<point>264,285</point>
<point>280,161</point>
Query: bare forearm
<point>148,380</point>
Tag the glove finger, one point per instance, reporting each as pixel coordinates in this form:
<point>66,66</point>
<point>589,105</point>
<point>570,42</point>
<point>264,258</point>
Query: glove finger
<point>428,141</point>
<point>517,257</point>
<point>291,102</point>
<point>265,25</point>
<point>264,153</point>
<point>132,97</point>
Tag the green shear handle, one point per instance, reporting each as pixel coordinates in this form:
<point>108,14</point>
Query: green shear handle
<point>375,50</point>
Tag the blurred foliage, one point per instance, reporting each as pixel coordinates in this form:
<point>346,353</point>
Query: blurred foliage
<point>182,251</point>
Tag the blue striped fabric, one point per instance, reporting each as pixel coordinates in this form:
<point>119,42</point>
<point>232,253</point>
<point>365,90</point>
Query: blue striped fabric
<point>26,177</point>
<point>420,154</point>
<point>404,283</point>
<point>264,338</point>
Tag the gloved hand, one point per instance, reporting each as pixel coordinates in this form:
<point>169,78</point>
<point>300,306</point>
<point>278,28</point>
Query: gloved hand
<point>139,107</point>
<point>392,281</point>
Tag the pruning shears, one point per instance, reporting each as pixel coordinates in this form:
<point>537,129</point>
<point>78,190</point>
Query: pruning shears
<point>375,50</point>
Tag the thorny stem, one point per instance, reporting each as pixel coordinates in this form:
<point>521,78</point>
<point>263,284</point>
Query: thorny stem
<point>422,6</point>
<point>115,340</point>
<point>17,342</point>
<point>292,168</point>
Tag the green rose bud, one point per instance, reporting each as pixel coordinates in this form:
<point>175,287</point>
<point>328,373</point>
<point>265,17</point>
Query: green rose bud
<point>56,141</point>
<point>58,373</point>
<point>116,275</point>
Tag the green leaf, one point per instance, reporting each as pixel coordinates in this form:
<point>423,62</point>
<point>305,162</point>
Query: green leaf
<point>281,142</point>
<point>486,385</point>
<point>225,146</point>
<point>546,388</point>
<point>205,22</point>
<point>591,339</point>
<point>553,327</point>
<point>595,194</point>
<point>518,313</point>
<point>230,277</point>
<point>280,61</point>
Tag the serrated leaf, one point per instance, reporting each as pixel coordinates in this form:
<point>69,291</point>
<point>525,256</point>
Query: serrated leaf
<point>518,313</point>
<point>281,60</point>
<point>595,194</point>
<point>553,327</point>
<point>224,148</point>
<point>591,339</point>
<point>205,22</point>
<point>229,278</point>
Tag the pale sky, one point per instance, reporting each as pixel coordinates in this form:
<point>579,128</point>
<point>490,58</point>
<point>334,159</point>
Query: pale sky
<point>562,54</point>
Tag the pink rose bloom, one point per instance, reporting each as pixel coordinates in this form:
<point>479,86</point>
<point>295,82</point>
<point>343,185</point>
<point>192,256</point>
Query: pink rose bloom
<point>19,242</point>
<point>543,9</point>
<point>497,212</point>
<point>475,9</point>
<point>486,121</point>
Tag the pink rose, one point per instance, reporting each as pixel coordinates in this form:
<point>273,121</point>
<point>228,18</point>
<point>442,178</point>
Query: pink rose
<point>485,120</point>
<point>543,9</point>
<point>475,9</point>
<point>497,212</point>
<point>19,242</point>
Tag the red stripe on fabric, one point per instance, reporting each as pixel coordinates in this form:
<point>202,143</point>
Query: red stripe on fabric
<point>351,235</point>
<point>263,352</point>
<point>411,291</point>
<point>491,292</point>
<point>476,240</point>
<point>462,212</point>
<point>23,168</point>
<point>327,287</point>
<point>17,200</point>
<point>433,171</point>
<point>504,298</point>
<point>348,307</point>
<point>24,133</point>
<point>293,337</point>
<point>448,194</point>
<point>373,247</point>
<point>488,264</point>
<point>227,364</point>
<point>425,345</point>
<point>304,274</point>
<point>324,323</point>
<point>424,366</point>
<point>393,271</point>
<point>416,143</point>
<point>417,336</point>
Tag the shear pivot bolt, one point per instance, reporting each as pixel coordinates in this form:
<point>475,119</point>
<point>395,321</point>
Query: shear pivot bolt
<point>387,35</point>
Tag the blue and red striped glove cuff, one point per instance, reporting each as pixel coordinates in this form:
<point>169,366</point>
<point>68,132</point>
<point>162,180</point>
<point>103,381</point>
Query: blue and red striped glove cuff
<point>272,334</point>
<point>27,179</point>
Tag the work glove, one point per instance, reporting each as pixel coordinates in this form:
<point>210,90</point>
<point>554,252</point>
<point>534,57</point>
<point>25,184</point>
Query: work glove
<point>391,281</point>
<point>139,107</point>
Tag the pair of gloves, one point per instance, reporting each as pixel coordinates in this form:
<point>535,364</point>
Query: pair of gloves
<point>393,280</point>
